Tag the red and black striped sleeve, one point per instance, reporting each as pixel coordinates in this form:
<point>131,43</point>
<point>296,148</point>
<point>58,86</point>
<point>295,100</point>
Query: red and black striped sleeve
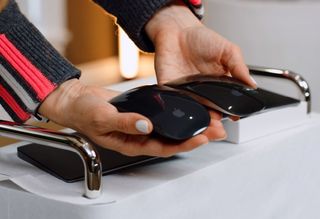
<point>30,68</point>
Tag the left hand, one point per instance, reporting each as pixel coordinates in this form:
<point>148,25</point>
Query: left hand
<point>184,46</point>
<point>86,109</point>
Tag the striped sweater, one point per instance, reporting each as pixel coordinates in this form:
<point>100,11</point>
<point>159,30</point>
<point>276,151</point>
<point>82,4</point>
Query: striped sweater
<point>30,68</point>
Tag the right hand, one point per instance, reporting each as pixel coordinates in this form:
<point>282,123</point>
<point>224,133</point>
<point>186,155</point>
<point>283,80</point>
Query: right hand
<point>184,46</point>
<point>86,110</point>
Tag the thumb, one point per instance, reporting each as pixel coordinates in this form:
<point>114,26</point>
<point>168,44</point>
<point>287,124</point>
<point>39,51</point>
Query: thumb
<point>131,123</point>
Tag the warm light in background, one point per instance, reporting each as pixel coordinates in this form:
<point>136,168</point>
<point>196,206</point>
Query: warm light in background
<point>128,56</point>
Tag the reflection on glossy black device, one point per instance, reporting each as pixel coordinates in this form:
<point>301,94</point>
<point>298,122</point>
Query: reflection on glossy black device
<point>224,94</point>
<point>67,165</point>
<point>173,114</point>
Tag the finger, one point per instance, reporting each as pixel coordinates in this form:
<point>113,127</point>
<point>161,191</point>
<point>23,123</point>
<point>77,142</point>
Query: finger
<point>133,145</point>
<point>188,145</point>
<point>215,131</point>
<point>169,148</point>
<point>234,118</point>
<point>234,62</point>
<point>215,115</point>
<point>130,123</point>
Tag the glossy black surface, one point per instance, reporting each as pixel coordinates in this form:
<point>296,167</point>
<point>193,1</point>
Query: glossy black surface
<point>224,94</point>
<point>174,115</point>
<point>67,165</point>
<point>273,100</point>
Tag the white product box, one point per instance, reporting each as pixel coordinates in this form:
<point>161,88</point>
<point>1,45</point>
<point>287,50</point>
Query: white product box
<point>265,123</point>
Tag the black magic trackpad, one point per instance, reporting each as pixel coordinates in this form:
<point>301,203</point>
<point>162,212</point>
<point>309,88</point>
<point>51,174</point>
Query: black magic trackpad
<point>67,165</point>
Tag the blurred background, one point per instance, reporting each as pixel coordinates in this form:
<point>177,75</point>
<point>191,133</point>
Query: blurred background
<point>89,38</point>
<point>78,29</point>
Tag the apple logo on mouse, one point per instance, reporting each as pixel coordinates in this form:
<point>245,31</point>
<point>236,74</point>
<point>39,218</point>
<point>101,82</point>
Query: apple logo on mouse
<point>236,93</point>
<point>178,113</point>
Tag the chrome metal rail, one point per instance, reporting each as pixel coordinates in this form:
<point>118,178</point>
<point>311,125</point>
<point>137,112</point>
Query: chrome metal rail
<point>65,141</point>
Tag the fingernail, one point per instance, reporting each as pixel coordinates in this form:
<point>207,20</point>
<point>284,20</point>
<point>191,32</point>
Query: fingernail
<point>142,126</point>
<point>254,81</point>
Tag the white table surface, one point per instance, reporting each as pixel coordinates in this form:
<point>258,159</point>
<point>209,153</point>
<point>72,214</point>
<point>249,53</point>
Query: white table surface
<point>275,176</point>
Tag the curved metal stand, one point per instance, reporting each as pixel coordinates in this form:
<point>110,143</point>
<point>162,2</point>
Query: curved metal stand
<point>71,142</point>
<point>287,74</point>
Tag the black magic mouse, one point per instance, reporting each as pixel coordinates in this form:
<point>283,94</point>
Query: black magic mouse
<point>173,114</point>
<point>224,94</point>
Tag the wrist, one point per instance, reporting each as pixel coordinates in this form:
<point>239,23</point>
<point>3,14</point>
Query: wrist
<point>57,104</point>
<point>173,17</point>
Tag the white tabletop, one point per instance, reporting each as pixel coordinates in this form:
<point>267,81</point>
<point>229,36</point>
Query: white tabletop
<point>275,176</point>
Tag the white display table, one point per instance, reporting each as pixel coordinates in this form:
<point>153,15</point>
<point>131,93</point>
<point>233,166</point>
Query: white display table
<point>275,176</point>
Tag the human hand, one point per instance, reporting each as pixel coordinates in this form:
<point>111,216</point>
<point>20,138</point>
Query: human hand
<point>86,110</point>
<point>184,46</point>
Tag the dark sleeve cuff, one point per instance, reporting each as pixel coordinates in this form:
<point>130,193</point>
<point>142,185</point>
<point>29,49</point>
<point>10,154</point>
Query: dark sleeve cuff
<point>132,16</point>
<point>30,68</point>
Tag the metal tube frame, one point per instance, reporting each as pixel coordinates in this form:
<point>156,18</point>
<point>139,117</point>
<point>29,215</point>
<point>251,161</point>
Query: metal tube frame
<point>72,142</point>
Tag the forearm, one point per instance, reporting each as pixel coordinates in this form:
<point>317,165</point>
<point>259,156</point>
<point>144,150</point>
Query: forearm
<point>173,17</point>
<point>30,68</point>
<point>132,17</point>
